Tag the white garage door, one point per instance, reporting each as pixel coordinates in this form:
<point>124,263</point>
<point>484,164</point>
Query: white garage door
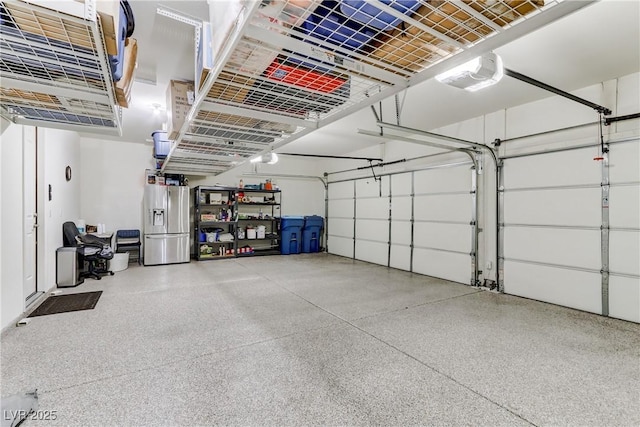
<point>372,220</point>
<point>443,229</point>
<point>340,221</point>
<point>421,221</point>
<point>624,235</point>
<point>552,219</point>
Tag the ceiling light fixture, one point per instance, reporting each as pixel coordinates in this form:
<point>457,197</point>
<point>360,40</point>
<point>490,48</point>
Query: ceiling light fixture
<point>268,158</point>
<point>481,72</point>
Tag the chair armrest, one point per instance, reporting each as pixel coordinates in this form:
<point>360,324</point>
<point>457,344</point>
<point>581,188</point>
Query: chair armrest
<point>91,245</point>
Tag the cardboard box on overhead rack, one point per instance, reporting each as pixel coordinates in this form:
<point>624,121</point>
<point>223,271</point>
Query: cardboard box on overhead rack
<point>123,86</point>
<point>180,98</point>
<point>204,55</point>
<point>109,14</point>
<point>411,48</point>
<point>42,24</point>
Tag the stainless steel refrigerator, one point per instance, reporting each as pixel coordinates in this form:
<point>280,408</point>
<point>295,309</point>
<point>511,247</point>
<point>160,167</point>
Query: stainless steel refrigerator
<point>166,224</point>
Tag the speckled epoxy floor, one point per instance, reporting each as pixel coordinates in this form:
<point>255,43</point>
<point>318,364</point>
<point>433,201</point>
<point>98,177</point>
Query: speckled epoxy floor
<point>320,340</point>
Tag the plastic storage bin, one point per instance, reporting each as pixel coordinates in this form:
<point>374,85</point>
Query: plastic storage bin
<point>312,233</point>
<point>116,62</point>
<point>326,24</point>
<point>161,146</point>
<point>368,14</point>
<point>291,227</point>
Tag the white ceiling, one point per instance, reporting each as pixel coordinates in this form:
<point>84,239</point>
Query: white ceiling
<point>595,44</point>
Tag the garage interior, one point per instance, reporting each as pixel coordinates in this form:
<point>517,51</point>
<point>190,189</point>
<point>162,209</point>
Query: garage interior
<point>478,261</point>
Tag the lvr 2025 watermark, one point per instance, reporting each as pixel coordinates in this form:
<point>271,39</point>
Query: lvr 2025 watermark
<point>20,414</point>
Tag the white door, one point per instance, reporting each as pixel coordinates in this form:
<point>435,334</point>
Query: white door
<point>340,223</point>
<point>417,221</point>
<point>372,220</point>
<point>30,221</point>
<point>552,218</point>
<point>624,235</point>
<point>442,222</point>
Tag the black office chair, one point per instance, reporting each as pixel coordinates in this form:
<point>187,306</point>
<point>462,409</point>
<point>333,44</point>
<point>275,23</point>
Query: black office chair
<point>128,241</point>
<point>92,249</point>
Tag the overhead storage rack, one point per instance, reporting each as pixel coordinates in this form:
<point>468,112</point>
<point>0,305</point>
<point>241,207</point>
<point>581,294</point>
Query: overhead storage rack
<point>283,69</point>
<point>54,67</point>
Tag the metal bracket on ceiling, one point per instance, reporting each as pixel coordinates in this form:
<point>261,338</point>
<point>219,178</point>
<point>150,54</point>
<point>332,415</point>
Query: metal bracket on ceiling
<point>179,16</point>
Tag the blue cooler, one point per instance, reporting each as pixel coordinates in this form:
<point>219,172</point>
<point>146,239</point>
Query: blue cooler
<point>312,233</point>
<point>291,227</point>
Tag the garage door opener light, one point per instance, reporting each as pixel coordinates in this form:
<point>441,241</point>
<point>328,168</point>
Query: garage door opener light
<point>268,158</point>
<point>481,72</point>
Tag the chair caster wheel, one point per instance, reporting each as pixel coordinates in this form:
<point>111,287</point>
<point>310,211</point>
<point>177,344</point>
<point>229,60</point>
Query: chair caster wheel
<point>111,273</point>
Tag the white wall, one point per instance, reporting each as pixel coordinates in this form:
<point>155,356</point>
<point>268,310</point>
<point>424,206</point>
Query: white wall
<point>113,178</point>
<point>56,150</point>
<point>4,124</point>
<point>10,225</point>
<point>300,196</point>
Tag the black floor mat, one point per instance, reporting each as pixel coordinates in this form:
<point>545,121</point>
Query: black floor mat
<point>66,303</point>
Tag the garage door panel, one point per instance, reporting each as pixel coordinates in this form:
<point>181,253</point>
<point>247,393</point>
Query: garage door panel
<point>372,230</point>
<point>371,188</point>
<point>570,288</point>
<point>340,227</point>
<point>453,237</point>
<point>339,190</point>
<point>445,265</point>
<point>401,232</point>
<point>373,208</point>
<point>401,207</point>
<point>341,208</point>
<point>551,170</point>
<point>443,180</point>
<point>401,184</point>
<point>624,162</point>
<point>374,252</point>
<point>340,246</point>
<point>400,257</point>
<point>624,298</point>
<point>624,206</point>
<point>578,207</point>
<point>624,252</point>
<point>453,207</point>
<point>576,248</point>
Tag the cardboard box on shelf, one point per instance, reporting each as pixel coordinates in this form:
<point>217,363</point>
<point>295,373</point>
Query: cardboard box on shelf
<point>204,55</point>
<point>180,98</point>
<point>108,12</point>
<point>123,86</point>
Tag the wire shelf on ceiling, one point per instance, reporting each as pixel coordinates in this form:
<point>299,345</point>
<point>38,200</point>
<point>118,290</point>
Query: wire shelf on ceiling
<point>289,67</point>
<point>54,68</point>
